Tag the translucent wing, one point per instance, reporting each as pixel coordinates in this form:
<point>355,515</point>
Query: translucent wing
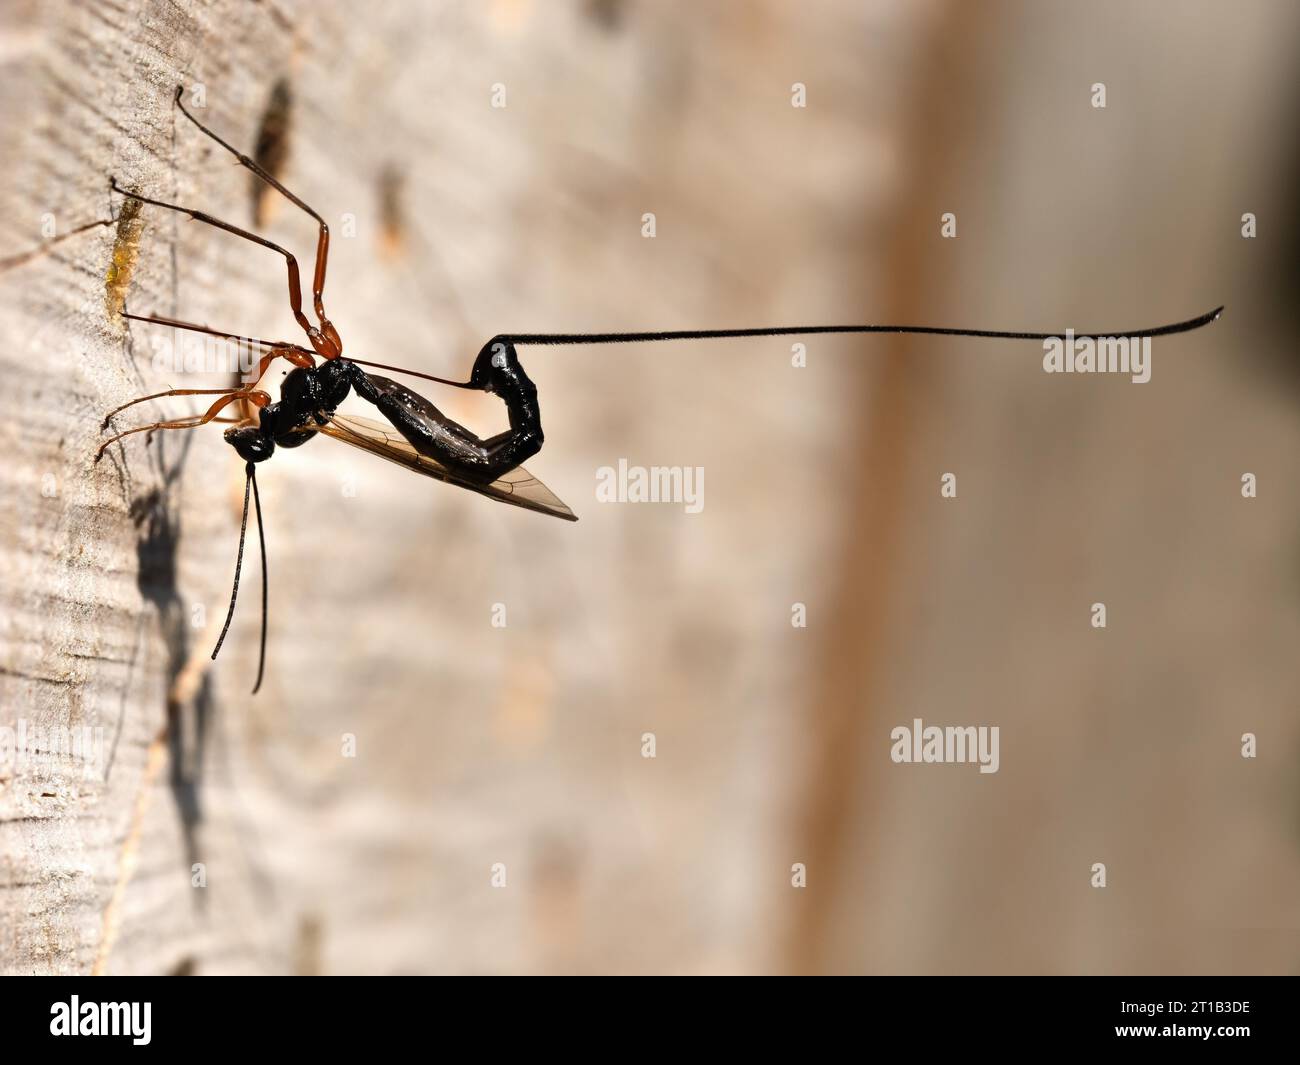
<point>518,487</point>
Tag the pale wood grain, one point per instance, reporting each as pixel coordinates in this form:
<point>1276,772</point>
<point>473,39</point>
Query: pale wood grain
<point>476,745</point>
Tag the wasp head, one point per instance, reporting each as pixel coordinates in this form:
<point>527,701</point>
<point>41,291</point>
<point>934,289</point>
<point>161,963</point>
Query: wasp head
<point>252,443</point>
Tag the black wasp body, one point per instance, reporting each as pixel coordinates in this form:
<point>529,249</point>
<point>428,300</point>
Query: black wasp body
<point>309,397</point>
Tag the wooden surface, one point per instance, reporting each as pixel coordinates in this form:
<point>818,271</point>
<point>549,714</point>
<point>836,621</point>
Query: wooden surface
<point>477,745</point>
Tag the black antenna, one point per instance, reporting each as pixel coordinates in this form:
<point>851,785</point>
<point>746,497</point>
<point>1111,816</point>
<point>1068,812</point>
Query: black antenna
<point>250,482</point>
<point>929,330</point>
<point>261,538</point>
<point>239,562</point>
<point>409,373</point>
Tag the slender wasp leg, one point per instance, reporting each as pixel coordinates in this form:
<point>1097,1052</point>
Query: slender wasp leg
<point>275,349</point>
<point>165,395</point>
<point>254,396</point>
<point>322,241</point>
<point>323,345</point>
<point>295,353</point>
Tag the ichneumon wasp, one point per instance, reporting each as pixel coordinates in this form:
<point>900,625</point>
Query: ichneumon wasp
<point>416,434</point>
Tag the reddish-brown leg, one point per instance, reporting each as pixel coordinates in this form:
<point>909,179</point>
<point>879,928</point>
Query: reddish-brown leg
<point>322,241</point>
<point>165,395</point>
<point>275,349</point>
<point>254,396</point>
<point>324,346</point>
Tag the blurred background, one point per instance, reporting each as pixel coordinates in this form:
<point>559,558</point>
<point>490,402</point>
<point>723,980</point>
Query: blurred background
<point>405,752</point>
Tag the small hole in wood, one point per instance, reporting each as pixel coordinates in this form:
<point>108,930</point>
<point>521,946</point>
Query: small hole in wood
<point>272,149</point>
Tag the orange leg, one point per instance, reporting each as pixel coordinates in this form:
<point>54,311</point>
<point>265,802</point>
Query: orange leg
<point>281,349</point>
<point>164,395</point>
<point>331,336</point>
<point>327,346</point>
<point>254,396</point>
